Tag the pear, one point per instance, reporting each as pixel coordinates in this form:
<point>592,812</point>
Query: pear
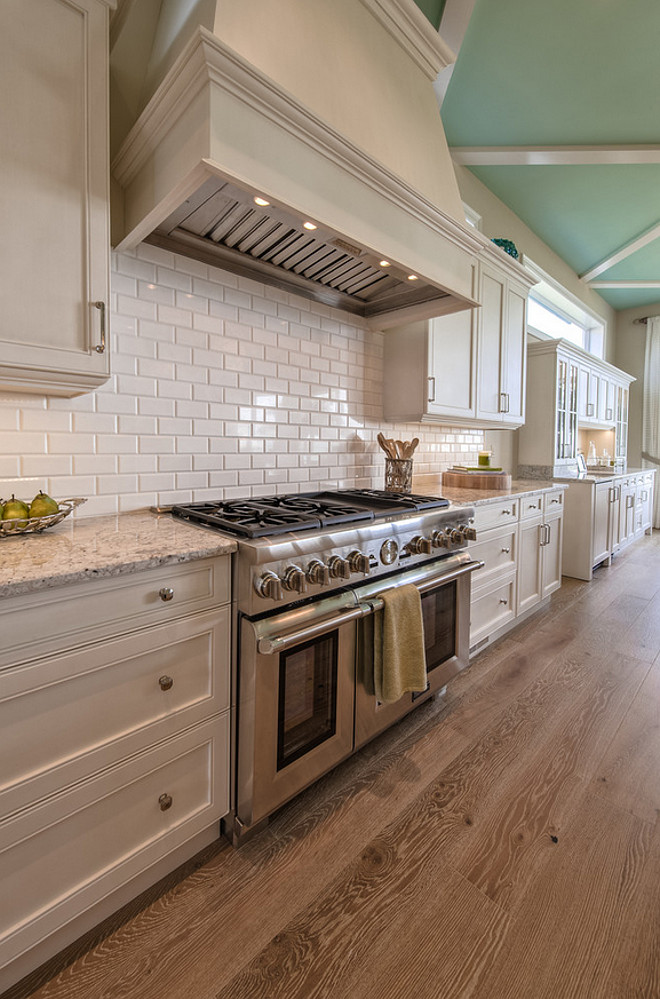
<point>15,510</point>
<point>43,505</point>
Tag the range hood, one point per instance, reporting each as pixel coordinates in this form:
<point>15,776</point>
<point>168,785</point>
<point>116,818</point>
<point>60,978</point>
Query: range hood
<point>227,165</point>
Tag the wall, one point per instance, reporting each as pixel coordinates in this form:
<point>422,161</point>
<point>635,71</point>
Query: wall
<point>630,356</point>
<point>220,388</point>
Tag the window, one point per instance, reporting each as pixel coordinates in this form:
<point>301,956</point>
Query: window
<point>552,312</point>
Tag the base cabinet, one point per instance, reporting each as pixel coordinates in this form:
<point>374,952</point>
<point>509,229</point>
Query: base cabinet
<point>519,540</point>
<point>114,760</point>
<point>603,517</point>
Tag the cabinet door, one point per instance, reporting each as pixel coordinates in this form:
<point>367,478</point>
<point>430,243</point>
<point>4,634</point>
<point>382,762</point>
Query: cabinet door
<point>621,422</point>
<point>601,525</point>
<point>606,392</point>
<point>551,555</point>
<point>529,565</point>
<point>627,512</point>
<point>567,403</point>
<point>513,356</point>
<point>452,356</point>
<point>588,386</point>
<point>54,179</point>
<point>489,390</point>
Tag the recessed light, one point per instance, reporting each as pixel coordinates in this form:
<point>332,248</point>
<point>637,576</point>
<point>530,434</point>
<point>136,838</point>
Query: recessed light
<point>308,225</point>
<point>413,277</point>
<point>384,263</point>
<point>261,201</point>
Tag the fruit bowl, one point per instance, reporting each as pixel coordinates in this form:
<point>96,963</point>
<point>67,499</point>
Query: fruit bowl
<point>33,525</point>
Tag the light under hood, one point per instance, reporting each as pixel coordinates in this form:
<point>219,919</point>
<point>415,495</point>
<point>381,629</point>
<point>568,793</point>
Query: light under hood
<point>218,132</point>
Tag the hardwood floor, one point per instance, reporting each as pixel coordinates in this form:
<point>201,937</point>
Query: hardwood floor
<point>503,843</point>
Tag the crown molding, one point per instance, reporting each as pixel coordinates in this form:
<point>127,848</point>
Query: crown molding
<point>404,21</point>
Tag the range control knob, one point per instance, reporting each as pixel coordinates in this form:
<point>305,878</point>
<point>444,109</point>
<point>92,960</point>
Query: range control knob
<point>455,536</point>
<point>440,539</point>
<point>420,546</point>
<point>358,562</point>
<point>294,579</point>
<point>269,586</point>
<point>339,567</point>
<point>318,572</point>
<point>469,533</point>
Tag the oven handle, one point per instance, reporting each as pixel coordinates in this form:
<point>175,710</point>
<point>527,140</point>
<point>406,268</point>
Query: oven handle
<point>271,646</point>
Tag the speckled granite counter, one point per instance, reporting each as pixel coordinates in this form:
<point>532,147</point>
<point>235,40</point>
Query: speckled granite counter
<point>89,548</point>
<point>431,485</point>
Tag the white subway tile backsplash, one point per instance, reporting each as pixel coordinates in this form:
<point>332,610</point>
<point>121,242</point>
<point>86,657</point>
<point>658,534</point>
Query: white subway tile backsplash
<point>220,386</point>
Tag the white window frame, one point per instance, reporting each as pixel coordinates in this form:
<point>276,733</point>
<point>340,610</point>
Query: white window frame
<point>554,296</point>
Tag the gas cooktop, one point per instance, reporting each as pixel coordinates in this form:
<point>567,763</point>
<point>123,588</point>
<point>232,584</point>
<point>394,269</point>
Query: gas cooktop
<point>271,515</point>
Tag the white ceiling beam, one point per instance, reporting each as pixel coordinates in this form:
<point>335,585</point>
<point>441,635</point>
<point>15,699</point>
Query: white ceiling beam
<point>554,155</point>
<point>624,284</point>
<point>644,238</point>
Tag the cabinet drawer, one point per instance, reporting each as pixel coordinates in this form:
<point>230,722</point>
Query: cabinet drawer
<point>553,502</point>
<point>67,853</point>
<point>495,514</point>
<point>491,610</point>
<point>67,716</point>
<point>531,506</point>
<point>497,550</point>
<point>65,616</point>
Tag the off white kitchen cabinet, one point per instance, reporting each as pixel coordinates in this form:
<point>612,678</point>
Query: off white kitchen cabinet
<point>115,703</point>
<point>501,347</point>
<point>540,548</point>
<point>468,367</point>
<point>54,195</point>
<point>564,383</point>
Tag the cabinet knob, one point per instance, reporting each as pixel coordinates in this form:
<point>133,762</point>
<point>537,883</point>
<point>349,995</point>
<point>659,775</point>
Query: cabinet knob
<point>506,550</point>
<point>503,600</point>
<point>166,593</point>
<point>165,802</point>
<point>165,682</point>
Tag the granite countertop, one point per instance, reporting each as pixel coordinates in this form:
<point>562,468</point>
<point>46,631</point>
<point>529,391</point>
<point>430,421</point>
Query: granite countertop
<point>604,476</point>
<point>430,485</point>
<point>93,547</point>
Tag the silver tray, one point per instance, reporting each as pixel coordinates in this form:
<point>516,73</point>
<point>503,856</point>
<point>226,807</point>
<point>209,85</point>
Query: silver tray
<point>34,525</point>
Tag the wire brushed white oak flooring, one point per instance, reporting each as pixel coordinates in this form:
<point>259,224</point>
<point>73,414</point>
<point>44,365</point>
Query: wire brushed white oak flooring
<point>502,843</point>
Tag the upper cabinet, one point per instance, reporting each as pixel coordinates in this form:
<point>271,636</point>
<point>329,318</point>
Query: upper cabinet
<point>567,388</point>
<point>54,180</point>
<point>469,367</point>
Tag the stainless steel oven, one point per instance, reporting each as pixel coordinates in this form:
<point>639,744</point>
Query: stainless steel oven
<point>305,700</point>
<point>308,580</point>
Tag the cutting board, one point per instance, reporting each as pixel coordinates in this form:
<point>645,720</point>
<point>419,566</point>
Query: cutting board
<point>477,480</point>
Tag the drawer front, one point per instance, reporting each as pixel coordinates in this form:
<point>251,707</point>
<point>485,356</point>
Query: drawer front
<point>495,514</point>
<point>66,616</point>
<point>60,857</point>
<point>553,502</point>
<point>491,610</point>
<point>65,717</point>
<point>531,506</point>
<point>497,550</point>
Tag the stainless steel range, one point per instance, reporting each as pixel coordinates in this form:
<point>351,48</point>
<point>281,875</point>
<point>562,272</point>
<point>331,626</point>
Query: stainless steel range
<point>308,576</point>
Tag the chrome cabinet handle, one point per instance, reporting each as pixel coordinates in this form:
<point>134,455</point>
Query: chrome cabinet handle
<point>165,802</point>
<point>608,413</point>
<point>504,402</point>
<point>100,347</point>
<point>590,409</point>
<point>506,550</point>
<point>503,601</point>
<point>166,593</point>
<point>548,529</point>
<point>506,513</point>
<point>165,682</point>
<point>431,397</point>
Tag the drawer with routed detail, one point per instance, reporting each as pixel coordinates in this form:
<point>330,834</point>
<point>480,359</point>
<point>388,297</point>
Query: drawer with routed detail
<point>492,609</point>
<point>553,502</point>
<point>67,852</point>
<point>495,514</point>
<point>66,616</point>
<point>101,703</point>
<point>531,506</point>
<point>497,550</point>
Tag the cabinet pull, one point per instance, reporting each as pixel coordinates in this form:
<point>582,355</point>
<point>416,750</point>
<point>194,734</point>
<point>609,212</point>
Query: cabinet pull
<point>165,682</point>
<point>166,593</point>
<point>100,347</point>
<point>506,550</point>
<point>590,409</point>
<point>504,402</point>
<point>608,413</point>
<point>555,501</point>
<point>431,397</point>
<point>548,536</point>
<point>503,600</point>
<point>165,802</point>
<point>506,512</point>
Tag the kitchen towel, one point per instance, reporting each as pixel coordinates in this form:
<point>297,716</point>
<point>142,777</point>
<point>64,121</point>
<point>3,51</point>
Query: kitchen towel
<point>399,655</point>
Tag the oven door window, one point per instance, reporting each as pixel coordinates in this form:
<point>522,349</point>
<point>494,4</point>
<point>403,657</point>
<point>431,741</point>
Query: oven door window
<point>307,712</point>
<point>439,616</point>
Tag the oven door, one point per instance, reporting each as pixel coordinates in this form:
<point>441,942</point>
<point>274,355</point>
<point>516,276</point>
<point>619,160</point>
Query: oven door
<point>445,594</point>
<point>296,702</point>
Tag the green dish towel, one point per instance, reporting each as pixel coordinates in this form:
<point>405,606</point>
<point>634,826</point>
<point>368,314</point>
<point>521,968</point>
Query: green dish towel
<point>399,654</point>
